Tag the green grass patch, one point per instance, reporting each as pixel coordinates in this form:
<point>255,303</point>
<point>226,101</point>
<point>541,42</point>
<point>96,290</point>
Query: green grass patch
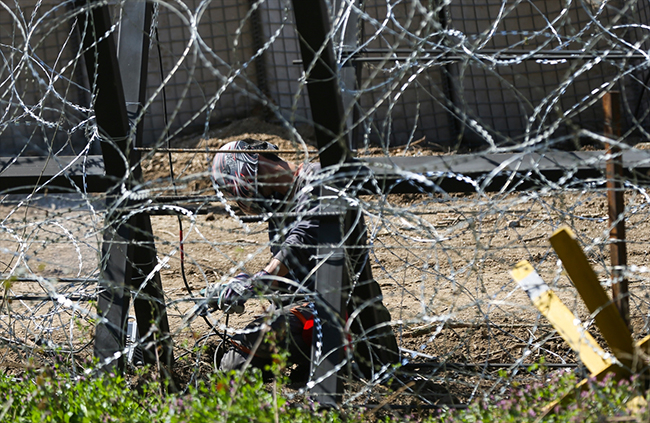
<point>599,401</point>
<point>56,396</point>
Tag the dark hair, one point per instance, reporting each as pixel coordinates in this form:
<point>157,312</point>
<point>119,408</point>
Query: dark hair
<point>264,145</point>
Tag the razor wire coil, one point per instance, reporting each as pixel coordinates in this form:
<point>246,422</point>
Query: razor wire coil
<point>465,77</point>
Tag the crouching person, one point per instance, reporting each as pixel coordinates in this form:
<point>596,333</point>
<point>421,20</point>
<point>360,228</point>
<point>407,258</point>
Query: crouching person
<point>262,183</point>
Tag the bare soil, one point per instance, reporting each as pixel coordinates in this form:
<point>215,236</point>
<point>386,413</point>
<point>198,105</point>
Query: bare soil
<point>443,262</point>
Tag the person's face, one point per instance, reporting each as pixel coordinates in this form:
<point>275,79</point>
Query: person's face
<point>273,177</point>
<point>273,180</point>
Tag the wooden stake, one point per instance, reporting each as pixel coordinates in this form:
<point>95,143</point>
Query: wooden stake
<point>607,317</point>
<point>616,205</point>
<point>563,320</point>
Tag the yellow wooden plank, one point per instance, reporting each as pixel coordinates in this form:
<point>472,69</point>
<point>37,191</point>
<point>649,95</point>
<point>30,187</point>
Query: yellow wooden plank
<point>607,317</point>
<point>562,319</point>
<point>636,405</point>
<point>580,341</point>
<point>644,344</point>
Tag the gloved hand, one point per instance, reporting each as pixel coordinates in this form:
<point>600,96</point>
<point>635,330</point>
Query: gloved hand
<point>232,295</point>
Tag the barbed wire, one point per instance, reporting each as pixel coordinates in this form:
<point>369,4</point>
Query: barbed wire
<point>429,81</point>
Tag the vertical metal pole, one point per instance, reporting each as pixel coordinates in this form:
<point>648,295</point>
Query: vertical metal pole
<point>113,302</point>
<point>347,40</point>
<point>616,205</point>
<point>110,116</point>
<point>149,306</point>
<point>377,345</point>
<point>106,87</point>
<point>260,62</point>
<point>332,278</point>
<point>128,255</point>
<point>447,73</point>
<point>314,30</point>
<point>332,283</point>
<point>132,56</point>
<point>319,63</point>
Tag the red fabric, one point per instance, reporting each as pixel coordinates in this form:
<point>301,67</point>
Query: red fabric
<point>307,325</point>
<point>307,330</point>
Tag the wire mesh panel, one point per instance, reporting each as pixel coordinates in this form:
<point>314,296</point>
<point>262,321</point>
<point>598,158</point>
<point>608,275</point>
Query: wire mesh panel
<point>43,86</point>
<point>199,72</point>
<point>523,94</point>
<point>283,75</point>
<point>406,88</point>
<point>479,131</point>
<point>637,84</point>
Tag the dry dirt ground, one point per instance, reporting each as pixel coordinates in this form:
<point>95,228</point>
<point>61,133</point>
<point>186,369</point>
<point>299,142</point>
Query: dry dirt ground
<point>443,262</point>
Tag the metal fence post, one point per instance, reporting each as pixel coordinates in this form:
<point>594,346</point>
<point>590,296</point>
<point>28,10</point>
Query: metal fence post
<point>332,283</point>
<point>313,27</point>
<point>128,252</point>
<point>332,279</point>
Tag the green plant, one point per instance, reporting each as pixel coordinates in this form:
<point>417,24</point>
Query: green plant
<point>52,396</point>
<point>596,402</point>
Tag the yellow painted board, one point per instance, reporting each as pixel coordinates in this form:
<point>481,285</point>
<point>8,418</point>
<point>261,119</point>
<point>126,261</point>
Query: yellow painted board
<point>585,346</point>
<point>562,319</point>
<point>644,344</point>
<point>568,327</point>
<point>637,404</point>
<point>607,317</point>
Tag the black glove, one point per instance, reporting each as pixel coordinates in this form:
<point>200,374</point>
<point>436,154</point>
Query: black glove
<point>232,295</point>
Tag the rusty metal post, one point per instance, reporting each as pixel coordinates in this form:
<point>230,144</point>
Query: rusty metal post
<point>616,204</point>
